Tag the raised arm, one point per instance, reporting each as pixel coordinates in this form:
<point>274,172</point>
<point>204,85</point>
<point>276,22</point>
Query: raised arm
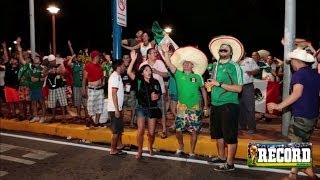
<point>69,58</point>
<point>5,52</point>
<point>19,48</point>
<point>70,47</point>
<point>130,73</point>
<point>131,48</point>
<point>165,49</point>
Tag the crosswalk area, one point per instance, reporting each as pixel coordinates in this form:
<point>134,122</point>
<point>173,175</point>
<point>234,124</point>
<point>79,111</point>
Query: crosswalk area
<point>21,155</point>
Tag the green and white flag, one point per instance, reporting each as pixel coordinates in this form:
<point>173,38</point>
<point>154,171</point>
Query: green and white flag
<point>160,36</point>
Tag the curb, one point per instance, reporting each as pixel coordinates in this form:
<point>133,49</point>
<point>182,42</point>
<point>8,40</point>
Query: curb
<point>205,146</point>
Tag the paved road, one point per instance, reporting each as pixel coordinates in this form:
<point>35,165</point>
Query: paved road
<point>33,159</point>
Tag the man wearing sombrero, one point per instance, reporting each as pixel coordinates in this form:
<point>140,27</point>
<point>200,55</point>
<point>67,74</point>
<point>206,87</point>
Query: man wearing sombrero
<point>188,64</point>
<point>304,102</point>
<point>227,82</point>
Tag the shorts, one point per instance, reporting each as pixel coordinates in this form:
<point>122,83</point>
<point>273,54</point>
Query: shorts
<point>300,129</point>
<point>55,95</point>
<point>188,119</point>
<point>24,93</point>
<point>116,123</point>
<point>129,100</point>
<point>95,101</point>
<point>11,94</point>
<point>77,97</point>
<point>162,105</point>
<point>148,113</point>
<point>35,94</point>
<point>174,97</point>
<point>224,122</point>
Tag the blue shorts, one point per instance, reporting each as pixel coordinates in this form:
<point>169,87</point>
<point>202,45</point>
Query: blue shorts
<point>174,97</point>
<point>35,94</point>
<point>148,113</point>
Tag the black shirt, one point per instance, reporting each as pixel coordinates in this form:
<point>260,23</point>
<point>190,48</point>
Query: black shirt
<point>11,76</point>
<point>144,93</point>
<point>54,81</point>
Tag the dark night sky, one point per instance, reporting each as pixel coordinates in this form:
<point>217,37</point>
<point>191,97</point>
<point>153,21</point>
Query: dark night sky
<point>87,23</point>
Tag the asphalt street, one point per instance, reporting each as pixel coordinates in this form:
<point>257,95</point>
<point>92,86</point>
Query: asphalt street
<point>31,156</point>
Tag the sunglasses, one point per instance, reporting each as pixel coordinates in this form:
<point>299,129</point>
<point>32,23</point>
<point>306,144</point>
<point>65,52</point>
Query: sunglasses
<point>223,50</point>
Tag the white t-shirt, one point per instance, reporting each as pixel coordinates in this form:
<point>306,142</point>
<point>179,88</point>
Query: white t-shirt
<point>248,64</point>
<point>158,65</point>
<point>144,49</point>
<point>115,81</point>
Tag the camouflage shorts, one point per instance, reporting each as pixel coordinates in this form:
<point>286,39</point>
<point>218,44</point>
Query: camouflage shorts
<point>300,129</point>
<point>188,118</point>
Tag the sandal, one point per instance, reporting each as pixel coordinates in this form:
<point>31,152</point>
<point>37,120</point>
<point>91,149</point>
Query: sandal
<point>126,148</point>
<point>163,135</point>
<point>118,153</point>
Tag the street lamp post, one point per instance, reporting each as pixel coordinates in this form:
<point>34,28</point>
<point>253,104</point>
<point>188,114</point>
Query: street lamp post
<point>53,10</point>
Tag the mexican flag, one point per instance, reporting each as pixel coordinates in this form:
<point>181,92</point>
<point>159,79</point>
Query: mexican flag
<point>266,92</point>
<point>162,37</point>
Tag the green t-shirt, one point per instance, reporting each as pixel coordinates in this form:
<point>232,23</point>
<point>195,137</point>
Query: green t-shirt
<point>188,86</point>
<point>228,73</point>
<point>77,74</point>
<point>24,75</point>
<point>36,72</point>
<point>107,68</point>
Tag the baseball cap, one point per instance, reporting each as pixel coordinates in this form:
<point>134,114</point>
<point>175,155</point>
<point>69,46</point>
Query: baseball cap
<point>51,57</point>
<point>94,54</point>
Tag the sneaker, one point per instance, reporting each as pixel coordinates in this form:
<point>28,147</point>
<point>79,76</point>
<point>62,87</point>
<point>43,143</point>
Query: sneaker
<point>179,151</point>
<point>225,167</point>
<point>34,119</point>
<point>42,120</point>
<point>216,160</point>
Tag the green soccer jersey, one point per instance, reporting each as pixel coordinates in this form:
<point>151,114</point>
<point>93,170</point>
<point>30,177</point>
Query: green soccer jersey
<point>36,71</point>
<point>24,75</point>
<point>188,86</point>
<point>77,74</point>
<point>228,73</point>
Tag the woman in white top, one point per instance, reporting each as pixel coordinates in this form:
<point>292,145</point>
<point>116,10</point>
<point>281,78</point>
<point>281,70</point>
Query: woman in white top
<point>144,45</point>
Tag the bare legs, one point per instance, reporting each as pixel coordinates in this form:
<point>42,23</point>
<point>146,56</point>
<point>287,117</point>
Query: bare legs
<point>140,134</point>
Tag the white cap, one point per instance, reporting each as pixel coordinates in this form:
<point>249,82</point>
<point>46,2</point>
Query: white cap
<point>302,55</point>
<point>51,57</point>
<point>45,57</point>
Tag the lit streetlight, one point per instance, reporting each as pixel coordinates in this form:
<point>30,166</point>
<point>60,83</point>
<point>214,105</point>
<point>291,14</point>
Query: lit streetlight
<point>53,10</point>
<point>167,30</point>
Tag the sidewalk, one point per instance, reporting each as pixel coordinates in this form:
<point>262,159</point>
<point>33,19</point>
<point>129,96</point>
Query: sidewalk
<point>268,132</point>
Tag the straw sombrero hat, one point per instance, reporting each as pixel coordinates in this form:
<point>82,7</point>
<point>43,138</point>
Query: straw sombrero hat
<point>194,55</point>
<point>237,47</point>
<point>263,53</point>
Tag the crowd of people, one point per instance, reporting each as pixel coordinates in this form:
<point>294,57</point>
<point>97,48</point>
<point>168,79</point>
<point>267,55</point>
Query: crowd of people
<point>222,86</point>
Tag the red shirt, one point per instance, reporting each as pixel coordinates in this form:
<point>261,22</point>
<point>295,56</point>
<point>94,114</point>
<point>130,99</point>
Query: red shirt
<point>94,71</point>
<point>68,74</point>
